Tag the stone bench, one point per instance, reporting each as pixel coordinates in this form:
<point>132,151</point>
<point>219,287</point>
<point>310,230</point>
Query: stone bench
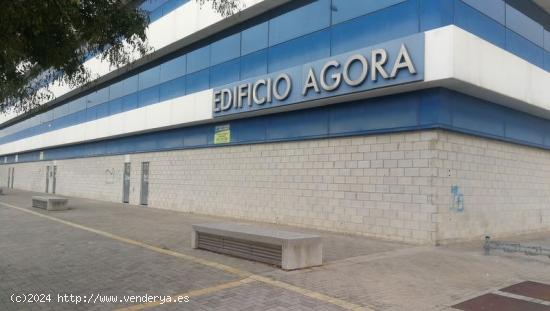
<point>288,250</point>
<point>50,203</point>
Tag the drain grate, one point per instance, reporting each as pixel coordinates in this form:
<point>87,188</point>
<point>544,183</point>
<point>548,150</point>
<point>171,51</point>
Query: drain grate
<point>492,302</point>
<point>530,289</point>
<point>266,253</point>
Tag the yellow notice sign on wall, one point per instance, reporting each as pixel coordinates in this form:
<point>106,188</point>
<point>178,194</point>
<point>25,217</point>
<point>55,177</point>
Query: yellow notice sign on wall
<point>222,134</point>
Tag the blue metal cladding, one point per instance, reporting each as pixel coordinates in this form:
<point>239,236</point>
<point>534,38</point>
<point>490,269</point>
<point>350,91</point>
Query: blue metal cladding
<point>129,102</point>
<point>495,9</point>
<point>149,77</point>
<point>523,25</point>
<point>301,21</point>
<point>299,51</point>
<point>254,64</point>
<point>396,21</point>
<point>225,73</point>
<point>305,31</point>
<point>426,109</point>
<point>524,48</point>
<point>198,81</point>
<point>435,13</point>
<point>198,59</point>
<point>343,10</point>
<point>158,8</point>
<point>480,24</point>
<point>148,96</point>
<point>172,89</point>
<point>225,49</point>
<point>173,68</point>
<point>255,38</point>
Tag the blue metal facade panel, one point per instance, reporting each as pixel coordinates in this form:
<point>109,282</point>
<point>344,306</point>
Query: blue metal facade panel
<point>149,77</point>
<point>198,59</point>
<point>479,24</point>
<point>435,13</point>
<point>343,10</point>
<point>170,140</point>
<point>301,21</point>
<point>380,21</point>
<point>527,128</point>
<point>115,106</point>
<point>287,126</point>
<point>255,38</point>
<point>433,108</point>
<point>396,21</point>
<point>477,116</point>
<point>524,48</point>
<point>173,69</point>
<point>525,26</point>
<point>249,130</point>
<point>299,51</point>
<point>196,136</point>
<point>254,64</point>
<point>225,73</point>
<point>495,9</point>
<point>129,102</point>
<point>148,96</point>
<point>225,49</point>
<point>172,89</point>
<point>198,81</point>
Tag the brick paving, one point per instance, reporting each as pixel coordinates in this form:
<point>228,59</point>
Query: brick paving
<point>251,297</point>
<point>54,258</point>
<point>41,255</point>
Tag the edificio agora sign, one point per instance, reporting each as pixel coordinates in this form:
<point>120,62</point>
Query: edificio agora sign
<point>390,63</point>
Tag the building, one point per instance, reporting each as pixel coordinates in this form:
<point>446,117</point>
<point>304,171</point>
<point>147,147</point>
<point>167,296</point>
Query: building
<point>425,121</point>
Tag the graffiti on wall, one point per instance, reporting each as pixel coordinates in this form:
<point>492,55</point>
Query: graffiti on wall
<point>457,204</point>
<point>110,176</point>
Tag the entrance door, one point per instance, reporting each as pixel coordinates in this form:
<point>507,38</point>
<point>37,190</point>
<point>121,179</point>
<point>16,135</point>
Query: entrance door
<point>126,184</point>
<point>12,173</point>
<point>144,194</point>
<point>9,177</point>
<point>54,174</point>
<point>47,179</point>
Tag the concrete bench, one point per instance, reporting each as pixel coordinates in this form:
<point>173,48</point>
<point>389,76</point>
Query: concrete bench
<point>288,250</point>
<point>50,203</point>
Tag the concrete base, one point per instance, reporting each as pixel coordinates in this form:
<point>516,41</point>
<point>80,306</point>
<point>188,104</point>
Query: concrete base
<point>50,203</point>
<point>298,250</point>
<point>302,255</point>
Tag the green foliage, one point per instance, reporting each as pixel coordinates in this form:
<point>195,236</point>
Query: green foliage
<point>47,41</point>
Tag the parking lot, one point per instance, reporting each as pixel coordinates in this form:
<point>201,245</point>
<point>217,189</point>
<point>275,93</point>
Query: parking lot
<point>106,256</point>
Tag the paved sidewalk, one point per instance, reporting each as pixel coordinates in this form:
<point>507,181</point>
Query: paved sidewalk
<point>117,249</point>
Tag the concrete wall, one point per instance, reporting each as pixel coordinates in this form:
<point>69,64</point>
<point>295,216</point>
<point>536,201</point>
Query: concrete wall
<point>397,186</point>
<point>505,187</point>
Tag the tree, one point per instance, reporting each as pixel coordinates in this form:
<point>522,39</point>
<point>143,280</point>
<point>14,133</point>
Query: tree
<point>47,41</point>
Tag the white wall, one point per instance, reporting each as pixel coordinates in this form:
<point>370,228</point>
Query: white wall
<point>186,109</point>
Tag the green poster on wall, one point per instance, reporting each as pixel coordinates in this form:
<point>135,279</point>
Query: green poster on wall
<point>222,134</point>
